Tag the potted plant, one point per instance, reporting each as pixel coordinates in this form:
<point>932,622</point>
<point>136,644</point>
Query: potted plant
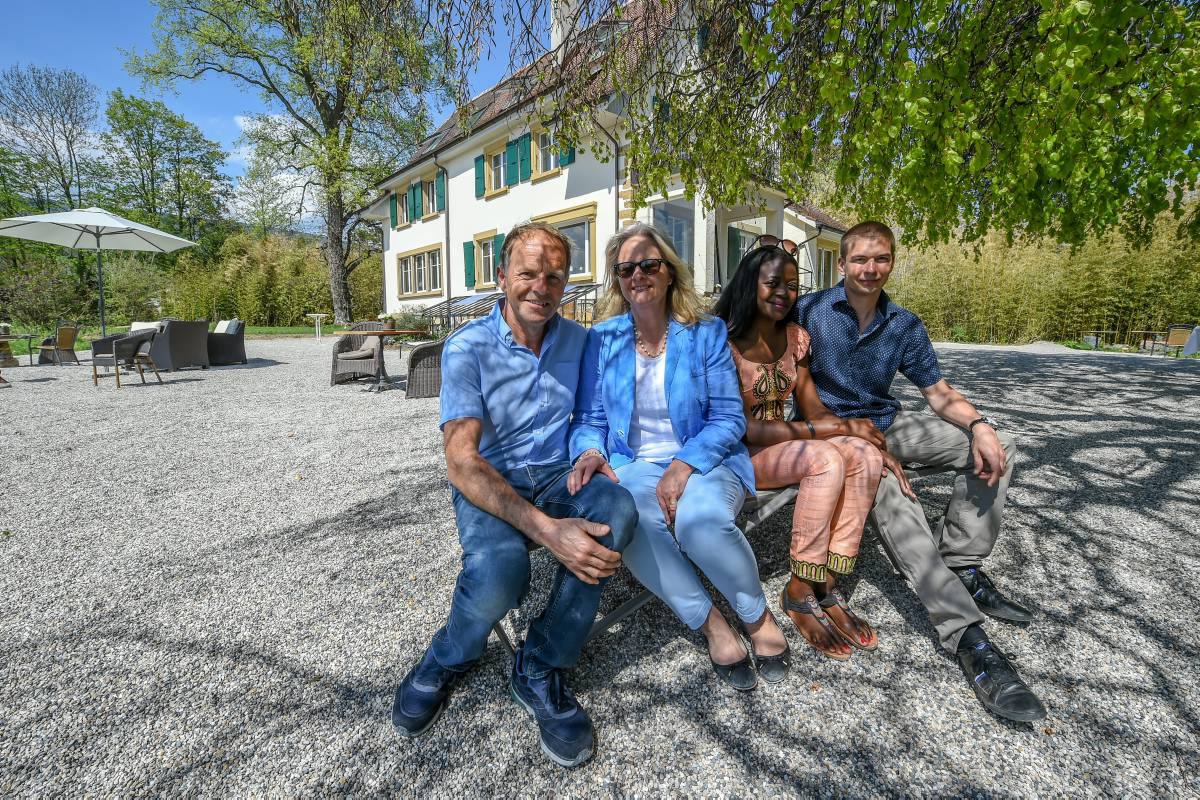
<point>389,321</point>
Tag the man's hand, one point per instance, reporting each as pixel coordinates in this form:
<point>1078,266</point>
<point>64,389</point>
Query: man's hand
<point>865,429</point>
<point>671,486</point>
<point>573,542</point>
<point>892,465</point>
<point>987,453</point>
<point>585,468</point>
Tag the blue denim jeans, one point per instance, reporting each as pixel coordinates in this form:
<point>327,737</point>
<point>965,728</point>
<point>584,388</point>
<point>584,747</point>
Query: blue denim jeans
<point>495,572</point>
<point>705,535</point>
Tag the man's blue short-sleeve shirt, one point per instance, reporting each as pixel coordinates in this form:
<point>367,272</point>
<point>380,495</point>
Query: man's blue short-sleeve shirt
<point>853,372</point>
<point>523,400</point>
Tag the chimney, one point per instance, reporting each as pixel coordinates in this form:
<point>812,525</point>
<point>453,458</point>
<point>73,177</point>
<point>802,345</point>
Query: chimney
<point>564,18</point>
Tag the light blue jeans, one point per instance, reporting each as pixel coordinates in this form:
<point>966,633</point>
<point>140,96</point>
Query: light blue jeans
<point>705,535</point>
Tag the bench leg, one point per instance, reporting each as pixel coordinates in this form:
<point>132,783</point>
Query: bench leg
<point>502,635</point>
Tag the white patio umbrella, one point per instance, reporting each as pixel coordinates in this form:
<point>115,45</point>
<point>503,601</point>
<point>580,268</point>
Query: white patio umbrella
<point>92,229</point>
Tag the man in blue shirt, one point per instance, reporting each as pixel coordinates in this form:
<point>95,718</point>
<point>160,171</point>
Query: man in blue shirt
<point>508,388</point>
<point>860,340</point>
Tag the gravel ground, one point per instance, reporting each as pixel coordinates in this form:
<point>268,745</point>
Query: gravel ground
<point>213,587</point>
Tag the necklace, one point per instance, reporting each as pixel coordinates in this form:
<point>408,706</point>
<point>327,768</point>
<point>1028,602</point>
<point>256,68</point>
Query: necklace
<point>641,345</point>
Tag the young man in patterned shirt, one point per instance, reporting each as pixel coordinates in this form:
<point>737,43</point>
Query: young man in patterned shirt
<point>860,340</point>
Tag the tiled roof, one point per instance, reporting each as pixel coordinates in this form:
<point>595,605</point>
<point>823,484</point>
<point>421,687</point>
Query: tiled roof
<point>818,215</point>
<point>641,20</point>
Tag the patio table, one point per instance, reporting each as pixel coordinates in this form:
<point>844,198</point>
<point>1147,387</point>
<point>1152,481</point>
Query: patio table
<point>6,349</point>
<point>316,318</point>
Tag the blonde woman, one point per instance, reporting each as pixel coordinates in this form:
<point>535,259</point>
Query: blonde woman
<point>659,409</point>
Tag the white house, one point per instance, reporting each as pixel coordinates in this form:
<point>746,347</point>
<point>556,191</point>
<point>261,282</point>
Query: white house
<point>446,211</point>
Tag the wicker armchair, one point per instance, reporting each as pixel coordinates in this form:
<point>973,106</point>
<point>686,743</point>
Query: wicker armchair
<point>425,370</point>
<point>227,344</point>
<point>357,356</point>
<point>124,349</point>
<point>61,346</point>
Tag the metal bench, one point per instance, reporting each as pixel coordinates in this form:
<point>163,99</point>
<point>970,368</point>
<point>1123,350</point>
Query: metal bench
<point>755,512</point>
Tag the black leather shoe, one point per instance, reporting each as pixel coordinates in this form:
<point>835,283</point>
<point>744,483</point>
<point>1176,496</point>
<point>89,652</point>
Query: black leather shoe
<point>997,684</point>
<point>740,675</point>
<point>421,696</point>
<point>988,598</point>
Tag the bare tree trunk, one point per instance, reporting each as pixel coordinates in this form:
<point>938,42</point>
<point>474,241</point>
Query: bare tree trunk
<point>335,257</point>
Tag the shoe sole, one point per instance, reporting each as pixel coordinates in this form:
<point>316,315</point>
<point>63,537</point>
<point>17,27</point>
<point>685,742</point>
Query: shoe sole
<point>1012,716</point>
<point>550,754</point>
<point>1006,618</point>
<point>414,734</point>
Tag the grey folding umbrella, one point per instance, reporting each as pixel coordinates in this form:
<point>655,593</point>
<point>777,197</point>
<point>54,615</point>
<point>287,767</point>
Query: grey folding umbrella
<point>92,229</point>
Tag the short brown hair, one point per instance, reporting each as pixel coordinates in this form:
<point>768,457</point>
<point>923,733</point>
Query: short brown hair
<point>870,229</point>
<point>523,229</point>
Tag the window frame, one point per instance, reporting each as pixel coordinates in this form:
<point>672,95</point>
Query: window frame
<point>415,272</point>
<point>570,216</point>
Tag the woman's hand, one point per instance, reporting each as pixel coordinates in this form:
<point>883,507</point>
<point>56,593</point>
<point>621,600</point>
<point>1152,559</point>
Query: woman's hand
<point>890,464</point>
<point>671,486</point>
<point>587,466</point>
<point>865,429</point>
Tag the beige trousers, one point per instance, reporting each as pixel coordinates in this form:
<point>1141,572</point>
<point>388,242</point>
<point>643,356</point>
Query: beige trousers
<point>968,529</point>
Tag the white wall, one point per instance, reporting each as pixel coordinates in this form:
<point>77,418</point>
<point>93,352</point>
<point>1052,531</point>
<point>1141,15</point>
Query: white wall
<point>586,181</point>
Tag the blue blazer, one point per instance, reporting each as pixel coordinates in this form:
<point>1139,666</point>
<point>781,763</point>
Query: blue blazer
<point>703,396</point>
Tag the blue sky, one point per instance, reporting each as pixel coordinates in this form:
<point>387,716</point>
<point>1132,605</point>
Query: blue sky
<point>89,37</point>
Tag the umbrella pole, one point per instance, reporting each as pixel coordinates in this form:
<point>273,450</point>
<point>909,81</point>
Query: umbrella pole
<point>100,273</point>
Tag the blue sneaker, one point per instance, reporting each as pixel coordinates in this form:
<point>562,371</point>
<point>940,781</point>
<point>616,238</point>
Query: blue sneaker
<point>566,731</point>
<point>421,696</point>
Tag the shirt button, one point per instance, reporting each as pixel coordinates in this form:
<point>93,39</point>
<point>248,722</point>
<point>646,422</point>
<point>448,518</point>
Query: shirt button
<point>620,433</point>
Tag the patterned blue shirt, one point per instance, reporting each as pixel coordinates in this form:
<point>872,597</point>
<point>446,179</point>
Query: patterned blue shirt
<point>523,400</point>
<point>853,372</point>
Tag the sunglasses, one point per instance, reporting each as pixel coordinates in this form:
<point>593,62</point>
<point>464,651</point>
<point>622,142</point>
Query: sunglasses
<point>648,266</point>
<point>767,240</point>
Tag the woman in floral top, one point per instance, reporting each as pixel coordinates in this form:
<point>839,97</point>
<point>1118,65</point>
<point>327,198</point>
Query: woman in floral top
<point>836,463</point>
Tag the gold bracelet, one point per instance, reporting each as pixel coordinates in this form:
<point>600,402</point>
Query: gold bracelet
<point>587,452</point>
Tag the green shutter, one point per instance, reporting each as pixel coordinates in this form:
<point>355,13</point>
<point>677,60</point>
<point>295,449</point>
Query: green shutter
<point>735,253</point>
<point>440,189</point>
<point>419,197</point>
<point>566,156</point>
<point>480,183</point>
<point>512,166</point>
<point>524,154</point>
<point>497,249</point>
<point>394,210</point>
<point>469,263</point>
<point>412,203</point>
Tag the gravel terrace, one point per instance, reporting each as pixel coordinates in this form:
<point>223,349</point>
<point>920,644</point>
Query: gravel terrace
<point>213,586</point>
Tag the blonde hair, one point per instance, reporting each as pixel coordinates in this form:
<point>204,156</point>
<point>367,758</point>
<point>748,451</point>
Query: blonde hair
<point>683,303</point>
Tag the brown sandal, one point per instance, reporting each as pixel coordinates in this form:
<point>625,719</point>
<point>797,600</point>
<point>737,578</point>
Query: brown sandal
<point>834,597</point>
<point>811,608</point>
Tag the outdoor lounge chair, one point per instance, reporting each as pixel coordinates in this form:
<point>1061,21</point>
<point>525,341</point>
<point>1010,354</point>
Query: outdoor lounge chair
<point>1177,337</point>
<point>130,350</point>
<point>357,356</point>
<point>61,346</point>
<point>425,370</point>
<point>227,344</point>
<point>181,343</point>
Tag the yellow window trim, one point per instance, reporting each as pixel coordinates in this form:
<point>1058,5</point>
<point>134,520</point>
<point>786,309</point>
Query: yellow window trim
<point>569,214</point>
<point>538,177</point>
<point>417,295</point>
<point>494,192</point>
<point>429,248</point>
<point>431,215</point>
<point>587,211</point>
<point>485,234</point>
<point>402,226</point>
